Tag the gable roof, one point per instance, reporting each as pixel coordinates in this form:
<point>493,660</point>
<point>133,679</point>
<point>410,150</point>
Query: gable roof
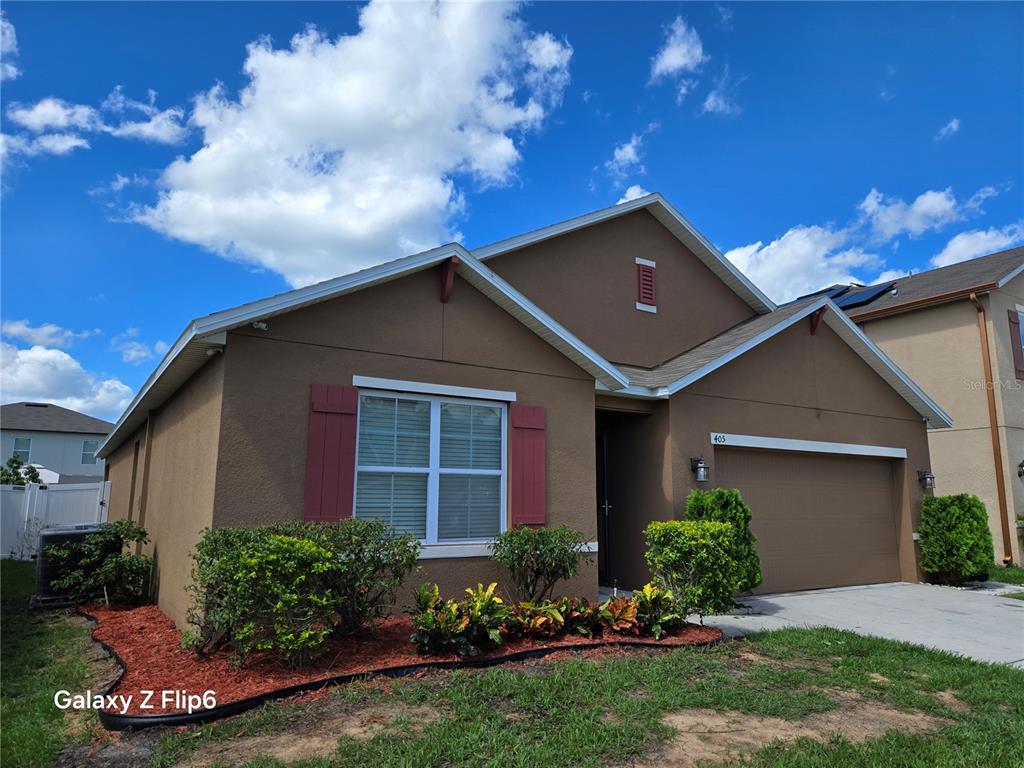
<point>691,366</point>
<point>956,281</point>
<point>674,221</point>
<point>206,335</point>
<point>47,417</point>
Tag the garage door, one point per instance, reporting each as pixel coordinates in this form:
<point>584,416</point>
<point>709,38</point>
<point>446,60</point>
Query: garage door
<point>821,520</point>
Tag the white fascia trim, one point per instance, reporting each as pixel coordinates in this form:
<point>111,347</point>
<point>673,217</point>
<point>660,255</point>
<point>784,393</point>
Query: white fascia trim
<point>426,388</point>
<point>659,206</point>
<point>473,271</point>
<point>1007,278</point>
<point>647,308</point>
<point>646,263</point>
<point>440,551</point>
<point>725,440</point>
<point>743,348</point>
<point>936,418</point>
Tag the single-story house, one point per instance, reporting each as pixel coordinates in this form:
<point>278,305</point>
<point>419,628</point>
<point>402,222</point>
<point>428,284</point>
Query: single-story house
<point>590,373</point>
<point>957,331</point>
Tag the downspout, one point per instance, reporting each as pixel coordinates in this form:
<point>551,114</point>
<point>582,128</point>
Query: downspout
<point>144,492</point>
<point>993,428</point>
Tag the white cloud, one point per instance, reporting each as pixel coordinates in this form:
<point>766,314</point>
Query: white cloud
<point>164,127</point>
<point>805,259</point>
<point>8,49</point>
<point>54,114</point>
<point>361,163</point>
<point>979,242</point>
<point>633,191</point>
<point>681,52</point>
<point>45,335</point>
<point>41,374</point>
<point>133,350</point>
<point>889,217</point>
<point>948,129</point>
<point>684,89</point>
<point>626,157</point>
<point>47,144</point>
<point>721,100</point>
<point>725,15</point>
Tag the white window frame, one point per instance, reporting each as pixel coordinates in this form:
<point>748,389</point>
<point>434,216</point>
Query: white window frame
<point>15,449</point>
<point>92,453</point>
<point>435,470</point>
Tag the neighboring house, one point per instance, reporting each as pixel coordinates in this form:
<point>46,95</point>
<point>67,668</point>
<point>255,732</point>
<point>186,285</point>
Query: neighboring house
<point>590,373</point>
<point>59,439</point>
<point>956,332</point>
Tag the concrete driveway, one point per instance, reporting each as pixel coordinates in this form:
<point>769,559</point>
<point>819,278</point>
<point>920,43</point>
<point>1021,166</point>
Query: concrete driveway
<point>975,623</point>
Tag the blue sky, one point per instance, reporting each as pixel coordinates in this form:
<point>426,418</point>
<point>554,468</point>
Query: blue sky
<point>162,161</point>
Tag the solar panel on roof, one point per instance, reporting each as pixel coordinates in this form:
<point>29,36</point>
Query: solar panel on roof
<point>862,297</point>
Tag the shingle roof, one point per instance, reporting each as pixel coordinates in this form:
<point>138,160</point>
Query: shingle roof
<point>47,417</point>
<point>693,359</point>
<point>983,272</point>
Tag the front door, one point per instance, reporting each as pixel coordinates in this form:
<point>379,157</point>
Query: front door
<point>604,508</point>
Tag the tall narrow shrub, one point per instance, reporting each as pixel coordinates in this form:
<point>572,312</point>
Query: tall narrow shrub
<point>726,505</point>
<point>956,544</point>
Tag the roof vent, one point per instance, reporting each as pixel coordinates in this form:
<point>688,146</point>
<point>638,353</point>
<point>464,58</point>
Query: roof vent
<point>37,405</point>
<point>895,292</point>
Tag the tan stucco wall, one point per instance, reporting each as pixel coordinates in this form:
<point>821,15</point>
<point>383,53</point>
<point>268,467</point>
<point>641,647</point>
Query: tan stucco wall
<point>468,342</point>
<point>808,388</point>
<point>587,281</point>
<point>180,488</point>
<point>126,499</point>
<point>939,348</point>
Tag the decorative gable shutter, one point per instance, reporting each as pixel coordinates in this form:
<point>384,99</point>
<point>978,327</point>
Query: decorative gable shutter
<point>527,465</point>
<point>331,453</point>
<point>646,292</point>
<point>1016,343</point>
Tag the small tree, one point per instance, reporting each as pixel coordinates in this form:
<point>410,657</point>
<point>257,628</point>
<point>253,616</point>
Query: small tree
<point>16,472</point>
<point>956,543</point>
<point>726,505</point>
<point>693,559</point>
<point>538,558</point>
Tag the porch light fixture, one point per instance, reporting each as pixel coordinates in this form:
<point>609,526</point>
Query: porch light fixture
<point>700,468</point>
<point>927,479</point>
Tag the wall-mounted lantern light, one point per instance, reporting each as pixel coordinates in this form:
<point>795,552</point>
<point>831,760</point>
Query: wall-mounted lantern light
<point>700,469</point>
<point>1020,470</point>
<point>927,479</point>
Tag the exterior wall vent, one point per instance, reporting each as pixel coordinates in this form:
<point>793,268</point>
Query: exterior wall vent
<point>646,286</point>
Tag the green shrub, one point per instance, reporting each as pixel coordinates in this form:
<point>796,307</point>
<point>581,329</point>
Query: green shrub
<point>956,544</point>
<point>693,559</point>
<point>362,570</point>
<point>579,617</point>
<point>725,505</point>
<point>98,566</point>
<point>538,558</point>
<point>656,610</point>
<point>467,627</point>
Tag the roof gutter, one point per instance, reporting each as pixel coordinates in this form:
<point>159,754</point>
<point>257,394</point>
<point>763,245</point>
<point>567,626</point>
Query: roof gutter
<point>993,428</point>
<point>910,306</point>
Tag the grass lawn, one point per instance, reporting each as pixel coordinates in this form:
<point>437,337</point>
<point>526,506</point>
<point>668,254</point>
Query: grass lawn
<point>1006,574</point>
<point>41,653</point>
<point>896,704</point>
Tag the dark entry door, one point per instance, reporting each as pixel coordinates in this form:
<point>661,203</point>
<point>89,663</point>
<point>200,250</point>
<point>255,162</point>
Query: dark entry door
<point>603,508</point>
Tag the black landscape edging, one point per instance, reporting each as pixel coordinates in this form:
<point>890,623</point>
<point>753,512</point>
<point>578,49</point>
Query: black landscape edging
<point>115,722</point>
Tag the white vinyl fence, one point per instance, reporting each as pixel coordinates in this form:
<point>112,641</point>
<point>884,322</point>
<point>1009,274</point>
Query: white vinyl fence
<point>25,510</point>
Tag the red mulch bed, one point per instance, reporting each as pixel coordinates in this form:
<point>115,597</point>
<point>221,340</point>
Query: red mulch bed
<point>148,643</point>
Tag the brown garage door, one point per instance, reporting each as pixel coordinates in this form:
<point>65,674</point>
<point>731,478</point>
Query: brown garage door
<point>821,520</point>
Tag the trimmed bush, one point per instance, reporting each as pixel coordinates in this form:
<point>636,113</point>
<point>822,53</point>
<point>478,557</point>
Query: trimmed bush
<point>956,544</point>
<point>328,578</point>
<point>726,505</point>
<point>538,558</point>
<point>100,568</point>
<point>693,559</point>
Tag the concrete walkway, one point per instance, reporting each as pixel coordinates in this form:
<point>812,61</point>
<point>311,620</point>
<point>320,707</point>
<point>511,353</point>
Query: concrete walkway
<point>977,623</point>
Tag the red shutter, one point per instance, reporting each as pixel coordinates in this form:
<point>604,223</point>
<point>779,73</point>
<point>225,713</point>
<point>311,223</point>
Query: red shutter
<point>527,465</point>
<point>645,292</point>
<point>331,453</point>
<point>1016,343</point>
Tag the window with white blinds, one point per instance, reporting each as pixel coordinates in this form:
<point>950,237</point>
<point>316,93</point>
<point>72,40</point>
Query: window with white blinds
<point>432,466</point>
